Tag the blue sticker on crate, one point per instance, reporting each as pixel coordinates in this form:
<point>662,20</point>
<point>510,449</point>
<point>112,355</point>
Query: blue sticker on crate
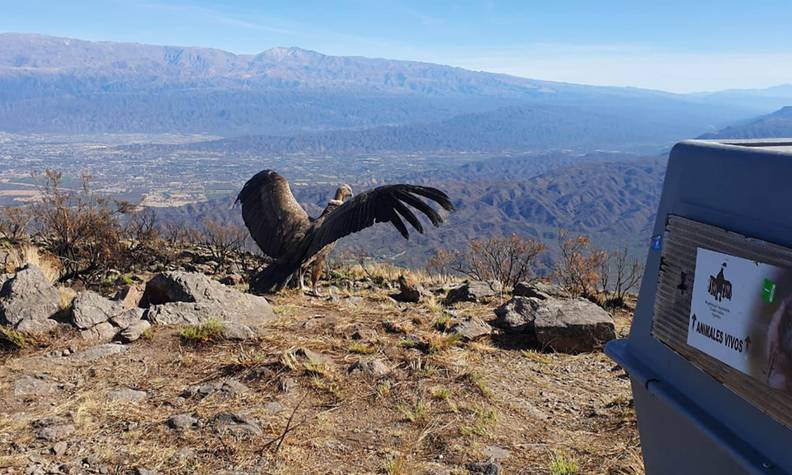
<point>657,242</point>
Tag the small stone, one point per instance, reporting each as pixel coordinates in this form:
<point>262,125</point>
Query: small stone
<point>101,332</point>
<point>126,395</point>
<point>99,352</point>
<point>490,467</point>
<point>134,331</point>
<point>52,433</point>
<point>470,328</point>
<point>409,291</point>
<point>274,407</point>
<point>182,421</point>
<point>373,367</point>
<point>493,452</point>
<point>235,423</point>
<point>59,448</point>
<point>31,386</point>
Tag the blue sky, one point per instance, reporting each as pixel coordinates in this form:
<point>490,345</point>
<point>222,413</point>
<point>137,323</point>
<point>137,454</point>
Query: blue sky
<point>680,46</point>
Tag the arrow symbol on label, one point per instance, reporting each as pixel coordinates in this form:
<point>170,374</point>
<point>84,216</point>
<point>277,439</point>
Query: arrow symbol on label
<point>747,342</point>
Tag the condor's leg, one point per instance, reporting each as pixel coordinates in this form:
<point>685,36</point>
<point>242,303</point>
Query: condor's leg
<point>316,272</point>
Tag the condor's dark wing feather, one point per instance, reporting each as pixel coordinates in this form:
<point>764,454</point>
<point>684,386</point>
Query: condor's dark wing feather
<point>272,215</point>
<point>383,204</point>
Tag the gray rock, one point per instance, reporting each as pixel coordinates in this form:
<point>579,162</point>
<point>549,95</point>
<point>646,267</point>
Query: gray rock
<point>493,452</point>
<point>182,421</point>
<point>274,407</point>
<point>36,327</point>
<point>53,429</point>
<point>373,367</point>
<point>59,448</point>
<point>31,386</point>
<point>126,395</point>
<point>409,291</point>
<point>29,296</point>
<point>90,309</point>
<point>230,387</point>
<point>128,317</point>
<point>134,331</point>
<point>102,332</point>
<point>192,287</point>
<point>540,290</point>
<point>490,467</point>
<point>517,315</point>
<point>145,471</point>
<point>98,352</point>
<point>565,325</point>
<point>470,328</point>
<point>473,291</point>
<point>184,298</point>
<point>236,424</point>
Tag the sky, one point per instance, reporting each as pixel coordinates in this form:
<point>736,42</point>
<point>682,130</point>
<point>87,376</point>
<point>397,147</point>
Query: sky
<point>679,46</point>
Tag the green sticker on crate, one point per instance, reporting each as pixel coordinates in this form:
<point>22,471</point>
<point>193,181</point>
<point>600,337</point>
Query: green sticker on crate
<point>768,291</point>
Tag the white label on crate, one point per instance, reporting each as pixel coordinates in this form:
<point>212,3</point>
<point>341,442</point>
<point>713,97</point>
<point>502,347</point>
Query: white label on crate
<point>741,314</point>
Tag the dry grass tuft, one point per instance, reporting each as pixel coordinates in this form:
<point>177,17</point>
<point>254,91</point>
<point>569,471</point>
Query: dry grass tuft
<point>210,330</point>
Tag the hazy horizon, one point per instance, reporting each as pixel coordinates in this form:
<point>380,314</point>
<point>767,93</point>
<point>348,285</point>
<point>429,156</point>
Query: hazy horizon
<point>675,47</point>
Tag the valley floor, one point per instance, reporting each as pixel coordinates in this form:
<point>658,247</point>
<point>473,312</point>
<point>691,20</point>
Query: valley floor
<point>289,403</point>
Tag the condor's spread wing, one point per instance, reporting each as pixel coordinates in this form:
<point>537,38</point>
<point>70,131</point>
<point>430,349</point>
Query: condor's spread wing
<point>272,215</point>
<point>389,203</point>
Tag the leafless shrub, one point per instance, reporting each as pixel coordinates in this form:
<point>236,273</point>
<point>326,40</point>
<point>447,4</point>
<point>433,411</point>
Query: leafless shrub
<point>619,275</point>
<point>578,269</point>
<point>79,226</point>
<point>507,260</point>
<point>15,223</point>
<point>441,264</point>
<point>222,240</point>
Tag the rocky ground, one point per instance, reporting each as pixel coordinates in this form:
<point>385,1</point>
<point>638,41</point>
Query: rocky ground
<point>362,379</point>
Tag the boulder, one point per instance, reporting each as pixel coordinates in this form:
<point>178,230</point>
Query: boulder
<point>409,291</point>
<point>28,300</point>
<point>179,298</point>
<point>185,287</point>
<point>474,291</point>
<point>540,290</point>
<point>90,309</point>
<point>470,328</point>
<point>564,325</point>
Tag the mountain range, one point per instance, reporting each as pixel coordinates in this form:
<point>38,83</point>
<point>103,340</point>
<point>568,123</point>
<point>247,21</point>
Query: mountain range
<point>50,84</point>
<point>774,125</point>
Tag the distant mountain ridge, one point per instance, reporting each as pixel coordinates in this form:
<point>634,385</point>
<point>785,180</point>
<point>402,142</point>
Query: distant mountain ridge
<point>775,125</point>
<point>64,85</point>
